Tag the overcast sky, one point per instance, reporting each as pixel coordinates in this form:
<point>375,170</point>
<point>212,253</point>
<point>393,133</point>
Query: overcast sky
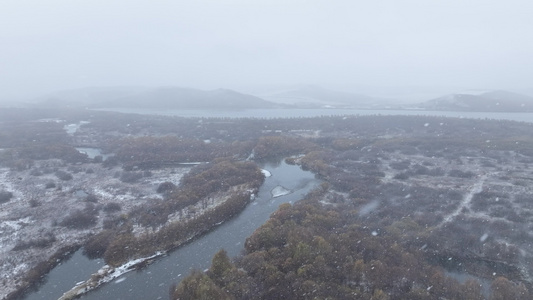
<point>48,45</point>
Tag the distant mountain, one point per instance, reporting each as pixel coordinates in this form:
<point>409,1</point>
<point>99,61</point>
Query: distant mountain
<point>155,98</point>
<point>186,98</point>
<point>315,96</point>
<point>482,101</point>
<point>85,97</point>
<point>527,92</point>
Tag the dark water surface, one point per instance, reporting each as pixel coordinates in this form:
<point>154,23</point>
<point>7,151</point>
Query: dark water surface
<point>153,282</point>
<point>63,277</point>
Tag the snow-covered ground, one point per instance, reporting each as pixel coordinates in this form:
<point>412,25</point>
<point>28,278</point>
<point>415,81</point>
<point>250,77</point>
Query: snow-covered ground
<point>72,128</point>
<point>34,211</point>
<point>467,199</point>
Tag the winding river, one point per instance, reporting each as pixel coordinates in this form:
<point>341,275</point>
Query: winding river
<point>154,281</point>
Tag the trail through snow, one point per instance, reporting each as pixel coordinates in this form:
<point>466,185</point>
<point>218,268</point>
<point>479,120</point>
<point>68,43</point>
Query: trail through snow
<point>465,203</point>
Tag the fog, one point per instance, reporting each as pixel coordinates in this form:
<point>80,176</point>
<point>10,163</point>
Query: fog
<point>358,46</point>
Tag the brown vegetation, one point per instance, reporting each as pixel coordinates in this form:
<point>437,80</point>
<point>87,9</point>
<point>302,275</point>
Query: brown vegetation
<point>235,179</point>
<point>306,251</point>
<point>382,217</point>
<point>396,175</point>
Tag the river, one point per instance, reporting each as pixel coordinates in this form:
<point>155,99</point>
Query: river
<point>153,282</point>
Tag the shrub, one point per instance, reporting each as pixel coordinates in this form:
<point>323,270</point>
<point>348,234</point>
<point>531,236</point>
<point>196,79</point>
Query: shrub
<point>165,187</point>
<point>34,203</point>
<point>114,221</point>
<point>74,169</point>
<point>63,175</point>
<point>43,242</point>
<point>110,162</point>
<point>36,172</point>
<point>91,198</point>
<point>5,196</point>
<point>401,176</point>
<point>97,244</point>
<point>130,177</point>
<point>80,219</point>
<point>112,207</point>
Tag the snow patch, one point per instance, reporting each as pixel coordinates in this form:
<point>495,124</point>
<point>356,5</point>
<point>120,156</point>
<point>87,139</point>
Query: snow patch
<point>266,173</point>
<point>72,128</point>
<point>15,224</point>
<point>279,191</point>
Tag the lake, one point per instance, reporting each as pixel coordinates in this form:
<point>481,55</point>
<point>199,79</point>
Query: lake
<point>305,113</point>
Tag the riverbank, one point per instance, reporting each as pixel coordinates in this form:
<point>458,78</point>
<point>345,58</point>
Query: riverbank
<point>107,274</point>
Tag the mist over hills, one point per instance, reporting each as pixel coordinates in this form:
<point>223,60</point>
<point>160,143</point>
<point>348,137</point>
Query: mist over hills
<point>187,98</point>
<point>481,101</point>
<point>85,97</point>
<point>303,96</point>
<point>307,96</point>
<point>313,96</point>
<point>153,98</point>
